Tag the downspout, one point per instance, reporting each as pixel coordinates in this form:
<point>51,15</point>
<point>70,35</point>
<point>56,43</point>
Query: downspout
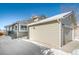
<point>17,29</point>
<point>28,32</point>
<point>60,33</point>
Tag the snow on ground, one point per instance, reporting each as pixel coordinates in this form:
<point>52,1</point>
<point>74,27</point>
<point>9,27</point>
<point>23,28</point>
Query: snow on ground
<point>25,46</point>
<point>9,46</point>
<point>75,52</point>
<point>46,51</point>
<point>77,39</point>
<point>59,52</point>
<point>27,40</point>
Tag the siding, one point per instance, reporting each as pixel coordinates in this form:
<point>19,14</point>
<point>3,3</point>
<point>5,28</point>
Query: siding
<point>67,35</point>
<point>77,33</point>
<point>47,34</point>
<point>21,34</point>
<point>67,21</point>
<point>67,31</point>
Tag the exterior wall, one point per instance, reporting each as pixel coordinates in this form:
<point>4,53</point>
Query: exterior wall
<point>21,34</point>
<point>77,33</point>
<point>67,30</point>
<point>14,29</point>
<point>47,34</point>
<point>13,35</point>
<point>7,28</point>
<point>67,21</point>
<point>10,28</point>
<point>20,30</point>
<point>67,35</point>
<point>12,32</point>
<point>16,32</point>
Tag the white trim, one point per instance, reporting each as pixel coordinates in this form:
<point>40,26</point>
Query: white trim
<point>17,30</point>
<point>20,30</point>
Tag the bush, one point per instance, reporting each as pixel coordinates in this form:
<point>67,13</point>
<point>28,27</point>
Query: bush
<point>1,33</point>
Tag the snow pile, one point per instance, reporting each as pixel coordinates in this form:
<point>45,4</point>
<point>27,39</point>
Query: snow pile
<point>76,39</point>
<point>75,52</point>
<point>55,52</point>
<point>23,38</point>
<point>5,37</point>
<point>47,52</point>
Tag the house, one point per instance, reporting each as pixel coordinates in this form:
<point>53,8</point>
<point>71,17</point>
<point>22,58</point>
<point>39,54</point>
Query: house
<point>55,31</point>
<point>38,18</point>
<point>19,28</point>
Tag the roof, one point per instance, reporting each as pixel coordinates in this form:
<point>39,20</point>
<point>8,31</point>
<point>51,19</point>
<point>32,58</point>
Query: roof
<point>20,22</point>
<point>30,20</point>
<point>23,21</point>
<point>56,17</point>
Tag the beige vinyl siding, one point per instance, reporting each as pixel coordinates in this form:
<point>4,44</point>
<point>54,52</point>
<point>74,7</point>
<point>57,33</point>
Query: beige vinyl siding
<point>47,34</point>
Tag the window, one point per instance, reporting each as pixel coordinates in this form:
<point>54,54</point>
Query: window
<point>23,27</point>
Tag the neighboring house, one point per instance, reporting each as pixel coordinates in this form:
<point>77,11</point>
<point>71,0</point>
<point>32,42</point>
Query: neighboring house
<point>54,32</point>
<point>19,28</point>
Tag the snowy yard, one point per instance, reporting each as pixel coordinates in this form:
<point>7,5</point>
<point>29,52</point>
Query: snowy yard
<point>23,46</point>
<point>9,46</point>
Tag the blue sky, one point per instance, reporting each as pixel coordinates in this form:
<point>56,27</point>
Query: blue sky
<point>10,13</point>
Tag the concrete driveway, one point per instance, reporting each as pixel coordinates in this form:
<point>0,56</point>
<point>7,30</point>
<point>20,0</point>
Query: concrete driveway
<point>18,47</point>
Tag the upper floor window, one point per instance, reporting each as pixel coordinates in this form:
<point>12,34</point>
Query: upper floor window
<point>23,27</point>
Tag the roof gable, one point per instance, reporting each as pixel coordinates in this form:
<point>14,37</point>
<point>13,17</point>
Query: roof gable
<point>56,17</point>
